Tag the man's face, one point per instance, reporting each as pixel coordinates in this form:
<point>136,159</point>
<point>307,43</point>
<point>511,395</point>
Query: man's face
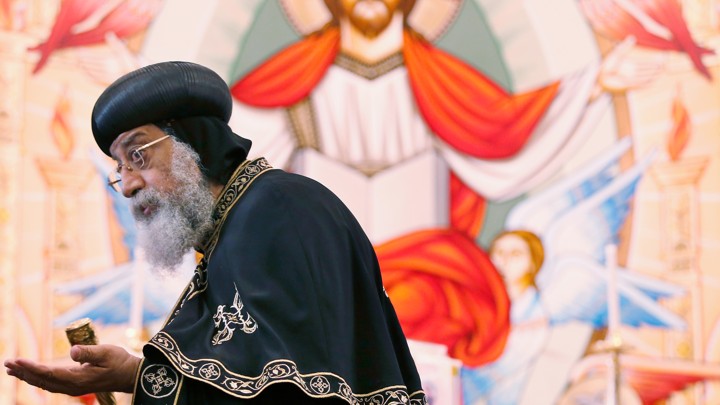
<point>157,158</point>
<point>171,199</point>
<point>370,17</point>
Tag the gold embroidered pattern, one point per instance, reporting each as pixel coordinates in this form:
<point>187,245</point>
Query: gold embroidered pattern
<point>225,320</point>
<point>318,385</point>
<point>240,180</point>
<point>159,381</point>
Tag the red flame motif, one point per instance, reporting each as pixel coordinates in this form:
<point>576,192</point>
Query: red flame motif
<point>680,134</point>
<point>656,24</point>
<point>124,19</point>
<point>60,128</point>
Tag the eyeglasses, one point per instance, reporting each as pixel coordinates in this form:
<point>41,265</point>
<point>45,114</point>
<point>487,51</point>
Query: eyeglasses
<point>135,161</point>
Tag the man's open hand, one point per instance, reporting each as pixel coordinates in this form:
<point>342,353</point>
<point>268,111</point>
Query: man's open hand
<point>102,368</point>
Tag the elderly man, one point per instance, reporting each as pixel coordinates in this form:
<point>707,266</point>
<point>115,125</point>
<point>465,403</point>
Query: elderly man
<point>287,304</point>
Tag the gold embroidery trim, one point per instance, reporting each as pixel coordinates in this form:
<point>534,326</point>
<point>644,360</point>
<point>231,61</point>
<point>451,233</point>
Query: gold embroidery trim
<point>239,182</point>
<point>317,384</point>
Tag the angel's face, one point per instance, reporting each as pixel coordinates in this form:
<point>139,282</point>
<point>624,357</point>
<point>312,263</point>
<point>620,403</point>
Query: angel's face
<point>511,256</point>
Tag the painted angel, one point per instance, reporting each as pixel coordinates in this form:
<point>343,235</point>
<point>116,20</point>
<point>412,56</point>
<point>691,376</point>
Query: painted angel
<point>553,264</point>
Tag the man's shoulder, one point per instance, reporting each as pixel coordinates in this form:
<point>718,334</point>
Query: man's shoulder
<point>280,190</point>
<point>279,182</point>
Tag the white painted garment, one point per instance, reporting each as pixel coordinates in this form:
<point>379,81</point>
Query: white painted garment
<point>370,132</point>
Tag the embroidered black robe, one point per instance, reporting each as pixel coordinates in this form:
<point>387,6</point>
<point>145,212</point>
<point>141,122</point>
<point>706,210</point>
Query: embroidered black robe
<point>287,306</point>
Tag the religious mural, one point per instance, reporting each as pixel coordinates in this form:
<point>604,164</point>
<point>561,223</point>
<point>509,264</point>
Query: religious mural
<point>538,178</point>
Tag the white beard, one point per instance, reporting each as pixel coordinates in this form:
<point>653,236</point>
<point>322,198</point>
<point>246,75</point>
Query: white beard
<point>182,217</point>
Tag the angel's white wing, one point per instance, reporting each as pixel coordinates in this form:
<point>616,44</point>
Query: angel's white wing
<point>575,288</point>
<point>593,223</point>
<point>583,213</point>
<point>538,211</point>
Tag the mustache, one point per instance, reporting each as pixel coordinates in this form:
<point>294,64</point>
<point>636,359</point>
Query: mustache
<point>143,199</point>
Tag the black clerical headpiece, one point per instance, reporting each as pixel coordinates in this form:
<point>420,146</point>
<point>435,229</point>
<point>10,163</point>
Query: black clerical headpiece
<point>187,100</point>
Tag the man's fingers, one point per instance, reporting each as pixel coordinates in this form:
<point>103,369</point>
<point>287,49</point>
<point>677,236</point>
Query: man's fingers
<point>87,354</point>
<point>103,368</point>
<point>55,379</point>
<point>11,368</point>
<point>28,368</point>
<point>30,372</point>
<point>80,354</point>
